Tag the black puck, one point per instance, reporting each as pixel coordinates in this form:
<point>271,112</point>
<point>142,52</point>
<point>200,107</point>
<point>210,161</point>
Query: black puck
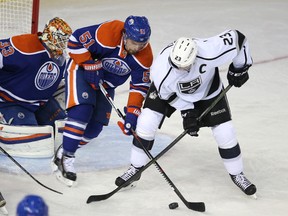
<point>173,205</point>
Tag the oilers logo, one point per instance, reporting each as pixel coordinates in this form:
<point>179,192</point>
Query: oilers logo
<point>116,66</point>
<point>47,75</point>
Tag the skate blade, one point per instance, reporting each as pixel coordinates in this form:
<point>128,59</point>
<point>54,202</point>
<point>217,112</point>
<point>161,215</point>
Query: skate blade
<point>3,211</point>
<point>64,180</point>
<point>253,196</point>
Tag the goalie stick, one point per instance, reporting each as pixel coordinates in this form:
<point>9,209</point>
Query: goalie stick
<point>19,165</point>
<point>197,206</point>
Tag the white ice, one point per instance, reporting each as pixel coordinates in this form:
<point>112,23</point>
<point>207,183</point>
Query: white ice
<point>259,111</point>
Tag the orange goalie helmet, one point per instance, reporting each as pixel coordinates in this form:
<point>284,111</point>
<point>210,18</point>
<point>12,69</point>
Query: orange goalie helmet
<point>55,36</point>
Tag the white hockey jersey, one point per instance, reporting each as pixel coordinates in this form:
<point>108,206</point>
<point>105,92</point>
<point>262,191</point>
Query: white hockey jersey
<point>182,88</point>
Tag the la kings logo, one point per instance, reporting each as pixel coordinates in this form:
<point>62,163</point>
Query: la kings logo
<point>190,87</point>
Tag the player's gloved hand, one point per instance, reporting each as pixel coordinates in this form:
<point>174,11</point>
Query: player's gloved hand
<point>130,122</point>
<point>237,76</point>
<point>93,73</point>
<point>190,122</point>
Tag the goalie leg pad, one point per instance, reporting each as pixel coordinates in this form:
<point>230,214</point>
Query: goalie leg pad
<point>27,141</point>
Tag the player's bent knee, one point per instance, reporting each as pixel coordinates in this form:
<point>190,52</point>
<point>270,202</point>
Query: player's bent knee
<point>225,135</point>
<point>148,123</point>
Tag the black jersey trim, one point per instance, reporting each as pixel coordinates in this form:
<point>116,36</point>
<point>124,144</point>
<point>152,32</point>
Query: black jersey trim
<point>209,59</point>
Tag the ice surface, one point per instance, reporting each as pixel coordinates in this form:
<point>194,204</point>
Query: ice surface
<point>259,111</point>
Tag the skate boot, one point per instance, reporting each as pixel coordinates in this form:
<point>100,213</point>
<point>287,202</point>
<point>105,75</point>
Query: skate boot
<point>244,184</point>
<point>66,172</point>
<point>56,160</point>
<point>127,175</point>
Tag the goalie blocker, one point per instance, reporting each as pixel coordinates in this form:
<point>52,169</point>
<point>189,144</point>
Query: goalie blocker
<point>31,141</point>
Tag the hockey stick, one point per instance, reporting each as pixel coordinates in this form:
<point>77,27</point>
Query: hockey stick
<point>94,198</point>
<point>19,165</point>
<point>199,206</point>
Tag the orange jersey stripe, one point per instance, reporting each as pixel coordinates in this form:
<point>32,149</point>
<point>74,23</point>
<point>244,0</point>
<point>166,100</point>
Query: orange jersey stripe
<point>73,130</point>
<point>71,97</point>
<point>24,137</point>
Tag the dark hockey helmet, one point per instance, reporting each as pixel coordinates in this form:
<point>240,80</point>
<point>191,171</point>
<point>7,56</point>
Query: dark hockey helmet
<point>137,28</point>
<point>32,205</point>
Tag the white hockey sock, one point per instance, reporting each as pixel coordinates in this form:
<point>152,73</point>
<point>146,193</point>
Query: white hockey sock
<point>234,166</point>
<point>138,157</point>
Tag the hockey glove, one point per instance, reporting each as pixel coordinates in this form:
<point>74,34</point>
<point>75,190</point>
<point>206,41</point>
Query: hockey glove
<point>130,121</point>
<point>190,122</point>
<point>93,73</point>
<point>237,76</point>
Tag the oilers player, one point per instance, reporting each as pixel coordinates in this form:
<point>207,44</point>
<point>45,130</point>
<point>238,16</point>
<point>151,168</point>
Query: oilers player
<point>109,52</point>
<point>186,78</point>
<point>31,68</point>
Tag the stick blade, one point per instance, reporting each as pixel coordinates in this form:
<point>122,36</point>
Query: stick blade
<point>197,206</point>
<point>96,198</point>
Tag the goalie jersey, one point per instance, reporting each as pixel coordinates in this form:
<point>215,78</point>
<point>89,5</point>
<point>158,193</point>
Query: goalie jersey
<point>28,76</point>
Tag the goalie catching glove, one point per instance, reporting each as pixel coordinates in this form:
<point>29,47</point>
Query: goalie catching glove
<point>237,76</point>
<point>130,121</point>
<point>190,121</point>
<point>93,73</point>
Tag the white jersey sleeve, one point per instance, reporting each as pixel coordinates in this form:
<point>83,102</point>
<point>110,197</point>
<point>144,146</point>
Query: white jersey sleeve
<point>228,46</point>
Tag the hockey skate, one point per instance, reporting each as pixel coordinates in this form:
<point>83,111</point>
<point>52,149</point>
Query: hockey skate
<point>244,184</point>
<point>56,160</point>
<point>66,172</point>
<point>126,176</point>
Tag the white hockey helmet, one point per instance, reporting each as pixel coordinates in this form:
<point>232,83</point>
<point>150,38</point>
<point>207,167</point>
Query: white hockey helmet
<point>183,53</point>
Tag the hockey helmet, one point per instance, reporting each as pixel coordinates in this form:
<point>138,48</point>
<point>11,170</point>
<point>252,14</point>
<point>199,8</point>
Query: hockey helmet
<point>32,205</point>
<point>183,53</point>
<point>55,35</point>
<point>137,28</point>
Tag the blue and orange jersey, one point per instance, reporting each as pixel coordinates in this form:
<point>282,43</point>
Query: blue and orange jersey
<point>105,42</point>
<point>28,76</point>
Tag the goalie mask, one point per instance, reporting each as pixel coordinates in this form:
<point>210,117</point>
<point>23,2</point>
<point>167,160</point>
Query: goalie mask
<point>183,53</point>
<point>55,36</point>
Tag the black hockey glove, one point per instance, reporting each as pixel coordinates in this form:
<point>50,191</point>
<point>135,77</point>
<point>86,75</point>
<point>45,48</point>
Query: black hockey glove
<point>190,122</point>
<point>237,76</point>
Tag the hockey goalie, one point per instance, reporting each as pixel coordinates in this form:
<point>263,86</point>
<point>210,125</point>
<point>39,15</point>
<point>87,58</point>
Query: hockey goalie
<point>31,72</point>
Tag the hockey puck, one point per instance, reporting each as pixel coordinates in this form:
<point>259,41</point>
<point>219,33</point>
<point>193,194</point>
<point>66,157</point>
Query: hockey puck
<point>173,205</point>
